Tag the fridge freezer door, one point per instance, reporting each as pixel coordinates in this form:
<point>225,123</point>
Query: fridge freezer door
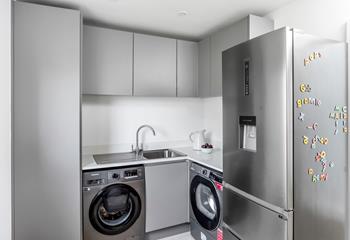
<point>320,73</point>
<point>263,167</point>
<point>247,220</point>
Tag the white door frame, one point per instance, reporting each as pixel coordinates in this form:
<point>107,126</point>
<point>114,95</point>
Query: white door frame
<point>5,119</point>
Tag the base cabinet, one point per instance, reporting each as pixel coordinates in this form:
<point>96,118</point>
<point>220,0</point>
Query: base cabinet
<point>166,195</point>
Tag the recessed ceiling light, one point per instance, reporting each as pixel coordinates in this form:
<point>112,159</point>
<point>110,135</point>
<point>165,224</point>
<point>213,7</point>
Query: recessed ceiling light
<point>182,13</point>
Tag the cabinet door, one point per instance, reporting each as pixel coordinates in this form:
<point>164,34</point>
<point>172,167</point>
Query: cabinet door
<point>154,66</point>
<point>222,41</point>
<point>107,61</point>
<point>204,68</point>
<point>187,69</point>
<point>167,195</point>
<point>46,126</point>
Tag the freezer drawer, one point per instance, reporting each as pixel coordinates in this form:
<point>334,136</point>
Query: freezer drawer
<point>250,221</point>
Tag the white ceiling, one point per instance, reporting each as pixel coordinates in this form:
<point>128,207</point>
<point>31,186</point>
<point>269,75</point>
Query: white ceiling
<point>161,16</point>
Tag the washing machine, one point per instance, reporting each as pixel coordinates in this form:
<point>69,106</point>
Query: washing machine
<point>114,204</point>
<point>206,194</point>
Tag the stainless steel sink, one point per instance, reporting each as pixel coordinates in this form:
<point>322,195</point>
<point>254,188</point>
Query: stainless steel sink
<point>116,157</point>
<point>132,156</point>
<point>162,153</point>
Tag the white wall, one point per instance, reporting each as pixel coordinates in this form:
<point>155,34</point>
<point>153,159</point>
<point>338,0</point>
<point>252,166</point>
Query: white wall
<point>113,120</point>
<point>212,117</point>
<point>325,18</point>
<point>5,120</point>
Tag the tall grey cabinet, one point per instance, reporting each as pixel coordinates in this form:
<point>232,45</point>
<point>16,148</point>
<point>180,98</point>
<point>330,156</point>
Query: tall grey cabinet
<point>46,125</point>
<point>107,61</point>
<point>154,66</point>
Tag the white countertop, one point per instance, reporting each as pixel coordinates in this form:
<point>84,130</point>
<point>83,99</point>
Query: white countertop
<point>213,160</point>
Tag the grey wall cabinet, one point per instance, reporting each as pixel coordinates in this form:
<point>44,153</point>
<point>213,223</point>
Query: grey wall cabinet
<point>167,195</point>
<point>46,123</point>
<point>210,81</point>
<point>204,68</point>
<point>124,63</point>
<point>154,66</point>
<point>107,61</point>
<point>187,69</point>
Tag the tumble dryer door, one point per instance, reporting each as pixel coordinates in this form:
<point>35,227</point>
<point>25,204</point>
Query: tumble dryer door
<point>115,209</point>
<point>205,203</point>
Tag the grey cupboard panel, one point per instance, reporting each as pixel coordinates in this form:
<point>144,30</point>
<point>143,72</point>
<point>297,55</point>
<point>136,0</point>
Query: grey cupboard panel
<point>259,26</point>
<point>210,64</point>
<point>107,61</point>
<point>204,68</point>
<point>222,41</point>
<point>154,66</point>
<point>46,123</point>
<point>167,195</point>
<point>187,69</point>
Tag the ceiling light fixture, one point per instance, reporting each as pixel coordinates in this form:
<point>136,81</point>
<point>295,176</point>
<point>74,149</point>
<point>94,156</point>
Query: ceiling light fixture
<point>182,13</point>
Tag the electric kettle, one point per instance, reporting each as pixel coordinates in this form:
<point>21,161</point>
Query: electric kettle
<point>198,139</point>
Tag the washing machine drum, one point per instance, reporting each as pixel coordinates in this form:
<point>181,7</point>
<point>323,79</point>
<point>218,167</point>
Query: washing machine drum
<point>205,203</point>
<point>115,209</point>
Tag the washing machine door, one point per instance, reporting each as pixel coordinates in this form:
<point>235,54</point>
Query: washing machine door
<point>115,209</point>
<point>205,203</point>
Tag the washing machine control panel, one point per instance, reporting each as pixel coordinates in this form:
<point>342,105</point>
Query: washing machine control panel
<point>91,179</point>
<point>115,176</point>
<point>104,177</point>
<point>215,177</point>
<point>124,175</point>
<point>131,173</point>
<point>205,172</point>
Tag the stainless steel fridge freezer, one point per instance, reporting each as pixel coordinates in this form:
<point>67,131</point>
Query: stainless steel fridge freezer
<point>285,137</point>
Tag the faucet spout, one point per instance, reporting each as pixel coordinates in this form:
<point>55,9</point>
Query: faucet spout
<point>138,149</point>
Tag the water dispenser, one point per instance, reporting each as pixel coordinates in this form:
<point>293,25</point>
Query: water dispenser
<point>247,130</point>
